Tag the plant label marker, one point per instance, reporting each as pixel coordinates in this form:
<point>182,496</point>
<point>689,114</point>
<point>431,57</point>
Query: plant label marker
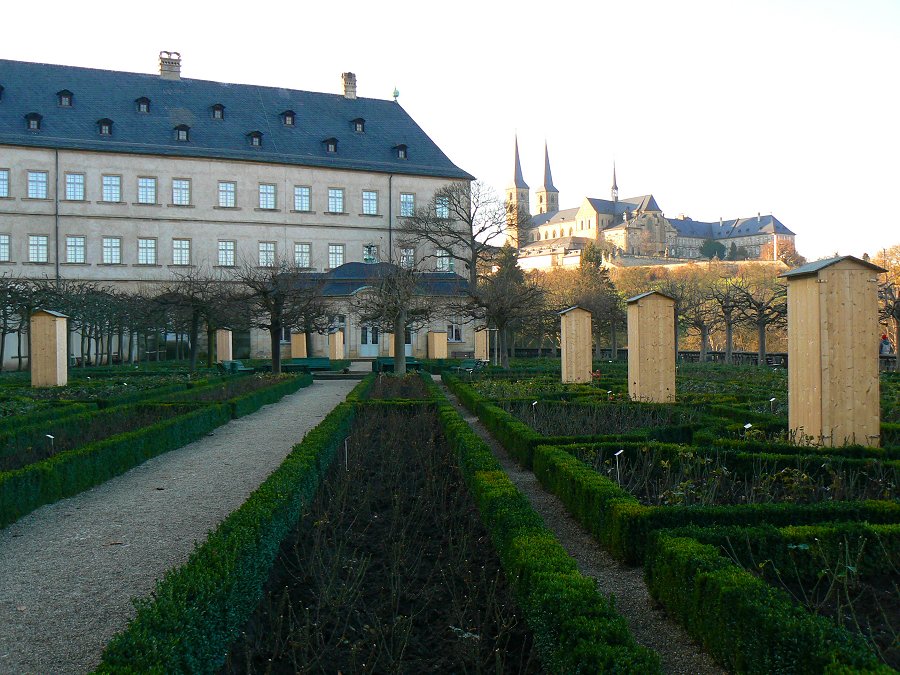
<point>618,476</point>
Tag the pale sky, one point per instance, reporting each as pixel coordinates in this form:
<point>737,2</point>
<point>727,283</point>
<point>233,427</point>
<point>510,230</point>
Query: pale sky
<point>719,109</point>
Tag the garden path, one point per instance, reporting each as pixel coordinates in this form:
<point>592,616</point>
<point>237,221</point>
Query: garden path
<point>68,571</point>
<point>649,624</point>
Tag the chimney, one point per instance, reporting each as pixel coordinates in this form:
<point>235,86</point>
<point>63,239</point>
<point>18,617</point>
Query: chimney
<point>170,65</point>
<point>758,217</point>
<point>349,85</point>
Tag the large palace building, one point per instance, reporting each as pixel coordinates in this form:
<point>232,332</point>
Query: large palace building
<point>124,178</point>
<point>633,230</point>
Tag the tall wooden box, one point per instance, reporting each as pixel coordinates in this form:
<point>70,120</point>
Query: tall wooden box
<point>336,345</point>
<point>833,388</point>
<point>575,338</point>
<point>298,345</point>
<point>481,345</point>
<point>224,345</point>
<point>651,347</point>
<point>437,344</point>
<point>49,349</point>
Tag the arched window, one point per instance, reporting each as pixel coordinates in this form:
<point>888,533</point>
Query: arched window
<point>218,111</point>
<point>330,144</point>
<point>183,133</point>
<point>255,139</point>
<point>142,104</point>
<point>33,121</point>
<point>288,118</point>
<point>401,151</point>
<point>359,125</point>
<point>105,126</point>
<point>65,98</point>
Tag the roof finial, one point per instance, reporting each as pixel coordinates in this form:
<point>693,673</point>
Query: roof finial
<point>396,94</point>
<point>518,180</point>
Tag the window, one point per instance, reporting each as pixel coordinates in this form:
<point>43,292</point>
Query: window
<point>143,104</point>
<point>4,183</point>
<point>4,248</point>
<point>112,188</point>
<point>112,250</point>
<point>267,254</point>
<point>330,144</point>
<point>255,138</point>
<point>370,253</point>
<point>302,201</point>
<point>267,195</point>
<point>146,251</point>
<point>401,152</point>
<point>75,187</point>
<point>442,207</point>
<point>75,249</point>
<point>181,192</point>
<point>454,332</point>
<point>183,133</point>
<point>181,251</point>
<point>303,255</point>
<point>218,111</point>
<point>226,253</point>
<point>37,248</point>
<point>288,118</point>
<point>146,190</point>
<point>444,261</point>
<point>335,255</point>
<point>359,125</point>
<point>105,126</point>
<point>64,98</point>
<point>227,194</point>
<point>370,202</point>
<point>407,204</point>
<point>407,258</point>
<point>33,121</point>
<point>335,200</point>
<point>37,185</point>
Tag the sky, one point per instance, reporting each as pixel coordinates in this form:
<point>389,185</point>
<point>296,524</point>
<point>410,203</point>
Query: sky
<point>726,108</point>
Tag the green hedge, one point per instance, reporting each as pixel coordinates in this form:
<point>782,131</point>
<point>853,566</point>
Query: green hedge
<point>199,608</point>
<point>68,473</point>
<point>576,630</point>
<point>745,623</point>
<point>254,400</point>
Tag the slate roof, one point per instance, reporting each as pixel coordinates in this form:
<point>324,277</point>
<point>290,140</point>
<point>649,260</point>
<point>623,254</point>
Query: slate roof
<point>553,216</point>
<point>351,277</point>
<point>814,267</point>
<point>568,243</point>
<point>97,94</point>
<point>728,229</point>
<point>647,294</point>
<point>609,207</point>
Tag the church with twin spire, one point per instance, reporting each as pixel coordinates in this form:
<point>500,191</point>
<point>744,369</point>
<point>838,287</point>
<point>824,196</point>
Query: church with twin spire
<point>631,231</point>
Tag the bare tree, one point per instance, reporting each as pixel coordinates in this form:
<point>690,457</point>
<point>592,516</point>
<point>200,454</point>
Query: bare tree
<point>889,295</point>
<point>724,294</point>
<point>761,302</point>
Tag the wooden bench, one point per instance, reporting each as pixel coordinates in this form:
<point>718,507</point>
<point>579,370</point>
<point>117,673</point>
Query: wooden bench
<point>310,363</point>
<point>385,364</point>
<point>235,367</point>
<point>469,366</point>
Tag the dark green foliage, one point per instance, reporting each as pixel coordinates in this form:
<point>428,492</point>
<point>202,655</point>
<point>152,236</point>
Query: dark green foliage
<point>199,608</point>
<point>746,624</point>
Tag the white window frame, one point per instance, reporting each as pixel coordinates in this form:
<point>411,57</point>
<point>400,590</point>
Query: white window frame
<point>266,254</point>
<point>407,204</point>
<point>227,194</point>
<point>335,255</point>
<point>442,207</point>
<point>38,248</point>
<point>336,200</point>
<point>303,254</point>
<point>5,247</point>
<point>111,186</point>
<point>181,251</point>
<point>112,250</point>
<point>454,331</point>
<point>147,251</point>
<point>4,183</point>
<point>444,262</point>
<point>268,196</point>
<point>147,189</point>
<point>74,187</point>
<point>302,198</point>
<point>76,246</point>
<point>370,202</point>
<point>407,258</point>
<point>227,254</point>
<point>38,182</point>
<point>181,191</point>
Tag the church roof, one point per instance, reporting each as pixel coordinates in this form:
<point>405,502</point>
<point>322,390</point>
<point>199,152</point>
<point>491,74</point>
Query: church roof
<point>729,229</point>
<point>554,217</point>
<point>568,243</point>
<point>106,94</point>
<point>609,207</point>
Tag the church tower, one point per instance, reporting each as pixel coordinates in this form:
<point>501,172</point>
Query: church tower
<point>518,206</point>
<point>547,196</point>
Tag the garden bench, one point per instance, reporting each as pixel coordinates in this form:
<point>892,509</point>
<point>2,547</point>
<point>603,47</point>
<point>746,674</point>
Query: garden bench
<point>235,367</point>
<point>310,363</point>
<point>469,366</point>
<point>385,364</point>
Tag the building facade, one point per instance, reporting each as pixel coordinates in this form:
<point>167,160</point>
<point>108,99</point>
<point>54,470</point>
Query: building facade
<point>629,229</point>
<point>127,178</point>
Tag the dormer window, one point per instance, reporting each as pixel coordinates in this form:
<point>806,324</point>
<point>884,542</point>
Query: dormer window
<point>288,118</point>
<point>401,151</point>
<point>330,144</point>
<point>255,139</point>
<point>183,133</point>
<point>65,98</point>
<point>1,92</point>
<point>143,104</point>
<point>218,111</point>
<point>33,121</point>
<point>359,125</point>
<point>104,126</point>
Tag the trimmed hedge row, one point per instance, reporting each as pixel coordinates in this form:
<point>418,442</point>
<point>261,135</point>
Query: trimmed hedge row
<point>748,625</point>
<point>68,473</point>
<point>576,630</point>
<point>199,608</point>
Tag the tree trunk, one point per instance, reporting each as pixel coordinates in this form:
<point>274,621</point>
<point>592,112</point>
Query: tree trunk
<point>309,342</point>
<point>211,346</point>
<point>503,337</point>
<point>761,336</point>
<point>400,343</point>
<point>19,347</point>
<point>598,333</point>
<point>195,339</point>
<point>896,345</point>
<point>704,342</point>
<point>121,345</point>
<point>109,343</point>
<point>729,338</point>
<point>613,341</point>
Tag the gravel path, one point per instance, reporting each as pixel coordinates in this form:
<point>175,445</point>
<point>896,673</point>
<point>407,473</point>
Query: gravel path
<point>649,624</point>
<point>68,571</point>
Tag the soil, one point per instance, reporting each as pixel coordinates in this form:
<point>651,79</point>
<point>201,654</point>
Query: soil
<point>390,386</point>
<point>389,570</point>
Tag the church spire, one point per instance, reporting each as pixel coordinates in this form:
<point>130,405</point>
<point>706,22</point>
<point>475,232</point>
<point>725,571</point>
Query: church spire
<point>517,203</point>
<point>518,181</point>
<point>615,188</point>
<point>548,196</point>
